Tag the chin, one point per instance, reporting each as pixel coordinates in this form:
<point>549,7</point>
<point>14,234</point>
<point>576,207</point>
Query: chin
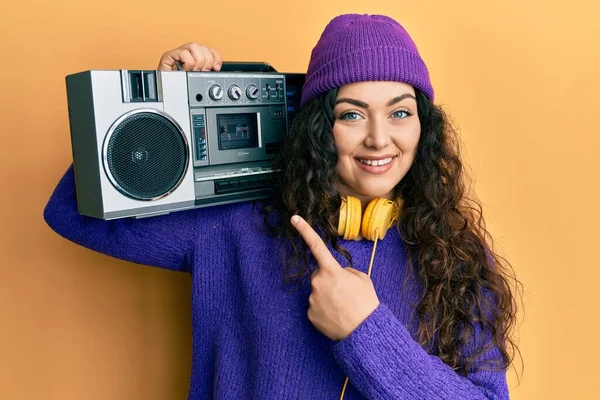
<point>375,188</point>
<point>378,192</point>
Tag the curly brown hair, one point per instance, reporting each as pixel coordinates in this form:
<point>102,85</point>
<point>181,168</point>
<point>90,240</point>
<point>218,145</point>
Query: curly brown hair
<point>466,285</point>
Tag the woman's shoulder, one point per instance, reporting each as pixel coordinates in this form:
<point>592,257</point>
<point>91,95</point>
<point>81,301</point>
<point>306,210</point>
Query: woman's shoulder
<point>242,215</point>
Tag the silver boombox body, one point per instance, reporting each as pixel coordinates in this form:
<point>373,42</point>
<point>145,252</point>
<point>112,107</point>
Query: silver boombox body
<point>151,142</point>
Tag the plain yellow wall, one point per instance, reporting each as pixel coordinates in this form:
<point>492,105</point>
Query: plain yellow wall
<point>520,78</point>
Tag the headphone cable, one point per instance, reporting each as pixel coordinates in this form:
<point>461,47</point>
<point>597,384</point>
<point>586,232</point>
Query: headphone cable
<point>369,275</point>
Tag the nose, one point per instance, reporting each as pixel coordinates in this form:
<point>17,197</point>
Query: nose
<point>377,137</point>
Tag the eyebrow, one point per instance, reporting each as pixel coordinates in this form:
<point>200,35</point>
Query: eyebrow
<point>362,104</point>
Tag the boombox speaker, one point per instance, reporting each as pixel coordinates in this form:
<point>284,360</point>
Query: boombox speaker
<point>150,142</point>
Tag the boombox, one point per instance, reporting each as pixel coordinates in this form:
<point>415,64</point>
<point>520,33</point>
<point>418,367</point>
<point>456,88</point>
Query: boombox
<point>148,142</point>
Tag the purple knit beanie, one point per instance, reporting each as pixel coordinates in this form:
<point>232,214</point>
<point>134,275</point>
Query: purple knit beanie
<point>362,47</point>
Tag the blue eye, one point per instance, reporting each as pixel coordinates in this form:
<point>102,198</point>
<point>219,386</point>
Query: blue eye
<point>401,114</point>
<point>350,116</point>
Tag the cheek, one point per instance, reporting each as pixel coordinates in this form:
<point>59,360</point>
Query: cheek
<point>409,142</point>
<point>344,143</point>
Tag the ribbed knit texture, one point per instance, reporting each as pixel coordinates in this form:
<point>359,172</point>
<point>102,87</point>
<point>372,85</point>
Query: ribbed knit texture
<point>362,47</point>
<point>251,335</point>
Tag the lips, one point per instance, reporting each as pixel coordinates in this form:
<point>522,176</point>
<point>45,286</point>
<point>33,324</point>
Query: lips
<point>376,165</point>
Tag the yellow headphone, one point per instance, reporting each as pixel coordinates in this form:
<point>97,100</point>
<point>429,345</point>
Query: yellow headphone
<point>379,217</point>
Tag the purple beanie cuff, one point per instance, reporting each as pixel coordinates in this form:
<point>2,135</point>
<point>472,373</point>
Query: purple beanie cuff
<point>362,47</point>
<point>371,64</point>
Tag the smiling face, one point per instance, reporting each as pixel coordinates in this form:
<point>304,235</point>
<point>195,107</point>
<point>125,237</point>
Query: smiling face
<point>376,132</point>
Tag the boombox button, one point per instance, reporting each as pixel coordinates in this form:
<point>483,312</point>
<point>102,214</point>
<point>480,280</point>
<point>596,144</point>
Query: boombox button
<point>243,184</point>
<point>222,187</point>
<point>263,182</point>
<point>233,185</point>
<point>252,183</point>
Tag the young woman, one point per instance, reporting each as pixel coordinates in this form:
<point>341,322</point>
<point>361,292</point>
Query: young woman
<point>309,295</point>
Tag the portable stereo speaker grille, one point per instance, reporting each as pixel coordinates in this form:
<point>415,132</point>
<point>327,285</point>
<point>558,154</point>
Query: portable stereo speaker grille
<point>146,154</point>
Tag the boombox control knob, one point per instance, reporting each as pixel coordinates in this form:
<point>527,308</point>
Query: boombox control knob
<point>215,92</point>
<point>252,92</point>
<point>235,93</point>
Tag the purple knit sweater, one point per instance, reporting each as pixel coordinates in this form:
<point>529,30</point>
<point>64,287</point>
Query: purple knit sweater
<point>251,335</point>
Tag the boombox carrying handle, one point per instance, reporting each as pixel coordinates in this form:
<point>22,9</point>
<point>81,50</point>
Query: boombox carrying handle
<point>239,66</point>
<point>247,66</point>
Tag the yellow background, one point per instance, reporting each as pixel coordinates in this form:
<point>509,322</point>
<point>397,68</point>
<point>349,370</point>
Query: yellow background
<point>520,79</point>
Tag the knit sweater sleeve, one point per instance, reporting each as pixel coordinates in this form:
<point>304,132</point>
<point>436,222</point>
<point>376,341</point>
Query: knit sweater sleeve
<point>383,361</point>
<point>162,241</point>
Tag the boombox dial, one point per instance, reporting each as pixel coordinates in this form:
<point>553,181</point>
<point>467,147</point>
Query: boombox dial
<point>252,92</point>
<point>235,93</point>
<point>215,92</point>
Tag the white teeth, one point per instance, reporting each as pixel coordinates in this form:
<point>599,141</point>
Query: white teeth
<point>376,163</point>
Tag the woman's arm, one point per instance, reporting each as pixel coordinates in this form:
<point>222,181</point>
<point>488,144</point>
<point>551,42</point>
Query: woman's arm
<point>383,361</point>
<point>162,241</point>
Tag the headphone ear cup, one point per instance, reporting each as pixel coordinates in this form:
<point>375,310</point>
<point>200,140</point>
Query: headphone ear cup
<point>343,217</point>
<point>353,213</point>
<point>378,218</point>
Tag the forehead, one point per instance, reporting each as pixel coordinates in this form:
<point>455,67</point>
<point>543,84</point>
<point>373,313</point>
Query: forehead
<point>374,92</point>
